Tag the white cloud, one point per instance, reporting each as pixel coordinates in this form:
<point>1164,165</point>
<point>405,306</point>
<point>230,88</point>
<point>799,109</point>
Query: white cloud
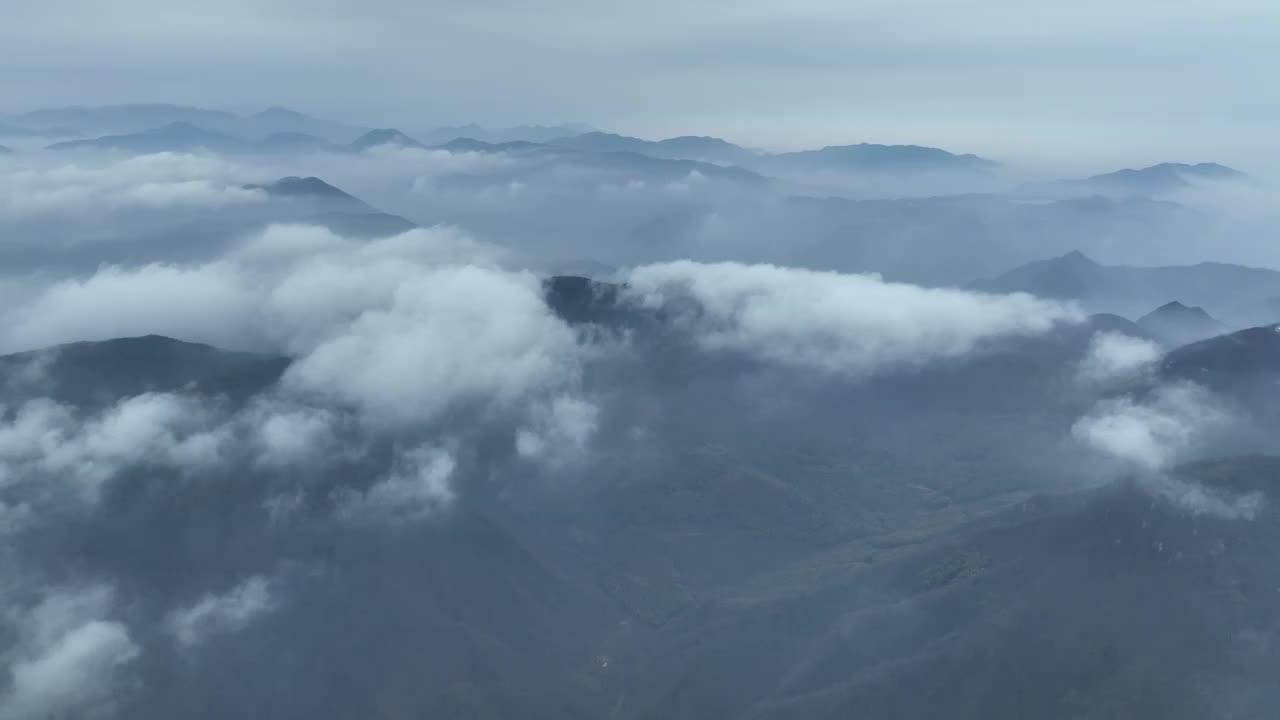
<point>1156,432</point>
<point>417,487</point>
<point>1153,434</point>
<point>292,436</point>
<point>560,430</point>
<point>43,439</point>
<point>1116,357</point>
<point>66,656</point>
<point>1200,500</point>
<point>842,323</point>
<point>448,334</point>
<point>212,303</point>
<point>160,180</point>
<point>401,328</point>
<point>229,612</point>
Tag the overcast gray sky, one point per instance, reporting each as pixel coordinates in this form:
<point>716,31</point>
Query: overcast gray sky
<point>1129,79</point>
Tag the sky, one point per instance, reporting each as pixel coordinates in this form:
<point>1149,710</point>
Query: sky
<point>1013,79</point>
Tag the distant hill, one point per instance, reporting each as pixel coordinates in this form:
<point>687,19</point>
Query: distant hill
<point>703,149</point>
<point>1252,351</point>
<point>465,144</point>
<point>303,187</point>
<point>1149,181</point>
<point>1176,324</point>
<point>292,142</point>
<point>624,164</point>
<point>1130,290</point>
<point>385,136</point>
<point>873,158</point>
<point>138,118</point>
<point>10,131</point>
<point>863,158</point>
<point>283,121</point>
<point>178,136</point>
<point>101,371</point>
<point>525,133</point>
<point>313,201</point>
<point>4,150</point>
<point>185,137</point>
<point>121,119</point>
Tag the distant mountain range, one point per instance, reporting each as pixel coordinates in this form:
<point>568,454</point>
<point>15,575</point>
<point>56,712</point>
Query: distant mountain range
<point>1153,181</point>
<point>862,158</point>
<point>1129,290</point>
<point>182,136</point>
<point>137,118</point>
<point>867,157</point>
<point>526,133</point>
<point>177,136</point>
<point>702,149</point>
<point>140,118</point>
<point>142,127</point>
<point>627,164</point>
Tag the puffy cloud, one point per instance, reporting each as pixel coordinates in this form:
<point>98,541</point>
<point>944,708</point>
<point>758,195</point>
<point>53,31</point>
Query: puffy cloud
<point>560,430</point>
<point>401,328</point>
<point>843,323</point>
<point>66,656</point>
<point>1116,357</point>
<point>212,303</point>
<point>449,334</point>
<point>42,438</point>
<point>417,486</point>
<point>1156,432</point>
<point>292,436</point>
<point>1201,500</point>
<point>1153,434</point>
<point>229,612</point>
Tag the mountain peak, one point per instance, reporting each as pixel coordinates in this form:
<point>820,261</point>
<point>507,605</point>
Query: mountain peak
<point>179,126</point>
<point>1176,308</point>
<point>280,113</point>
<point>1178,324</point>
<point>1075,257</point>
<point>384,136</point>
<point>294,186</point>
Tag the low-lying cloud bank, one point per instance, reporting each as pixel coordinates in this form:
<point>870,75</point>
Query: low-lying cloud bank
<point>847,324</point>
<point>94,184</point>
